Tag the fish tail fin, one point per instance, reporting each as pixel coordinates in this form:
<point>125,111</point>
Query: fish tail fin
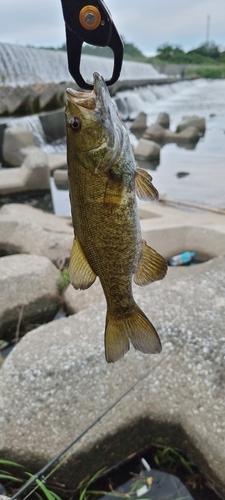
<point>132,326</point>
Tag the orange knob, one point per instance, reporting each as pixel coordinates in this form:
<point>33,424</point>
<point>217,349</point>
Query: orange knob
<point>90,17</point>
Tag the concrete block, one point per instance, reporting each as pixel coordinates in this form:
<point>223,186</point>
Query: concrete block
<point>24,229</point>
<point>2,131</point>
<point>147,150</point>
<point>61,179</point>
<point>140,122</point>
<point>163,120</point>
<point>192,121</point>
<point>56,382</point>
<point>56,161</point>
<point>33,175</point>
<point>28,282</point>
<point>53,124</point>
<point>15,142</point>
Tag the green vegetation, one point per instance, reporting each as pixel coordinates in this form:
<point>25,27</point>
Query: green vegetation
<point>166,456</point>
<point>208,71</point>
<point>14,476</point>
<point>205,54</point>
<point>64,280</point>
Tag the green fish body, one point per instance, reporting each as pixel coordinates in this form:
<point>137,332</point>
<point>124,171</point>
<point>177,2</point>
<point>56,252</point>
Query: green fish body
<point>103,180</point>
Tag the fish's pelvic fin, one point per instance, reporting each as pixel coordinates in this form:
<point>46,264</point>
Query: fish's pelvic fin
<point>133,326</point>
<point>80,272</point>
<point>151,266</point>
<point>143,186</point>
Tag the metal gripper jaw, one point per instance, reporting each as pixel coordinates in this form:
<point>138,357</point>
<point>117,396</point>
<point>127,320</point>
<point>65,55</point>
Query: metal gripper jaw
<point>93,24</point>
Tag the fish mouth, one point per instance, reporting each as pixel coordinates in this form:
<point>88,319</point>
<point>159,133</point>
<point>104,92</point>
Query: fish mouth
<point>90,100</point>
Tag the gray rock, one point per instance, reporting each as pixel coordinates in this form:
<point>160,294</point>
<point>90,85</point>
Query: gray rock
<point>61,179</point>
<point>205,242</point>
<point>4,93</point>
<point>15,143</point>
<point>2,133</point>
<point>147,150</point>
<point>56,382</point>
<point>163,120</point>
<point>50,97</point>
<point>189,134</point>
<point>33,175</point>
<point>159,134</point>
<point>155,133</point>
<point>15,100</point>
<point>192,121</point>
<point>77,300</point>
<point>28,285</point>
<point>24,229</point>
<point>53,124</point>
<point>139,123</point>
<point>57,161</point>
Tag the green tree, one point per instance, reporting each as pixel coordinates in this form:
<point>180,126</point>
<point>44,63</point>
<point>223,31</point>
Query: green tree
<point>167,52</point>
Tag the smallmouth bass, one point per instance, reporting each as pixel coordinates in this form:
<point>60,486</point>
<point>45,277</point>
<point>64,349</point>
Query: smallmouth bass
<point>103,179</point>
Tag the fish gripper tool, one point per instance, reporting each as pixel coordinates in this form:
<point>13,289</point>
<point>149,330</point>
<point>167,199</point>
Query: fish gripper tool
<point>92,24</point>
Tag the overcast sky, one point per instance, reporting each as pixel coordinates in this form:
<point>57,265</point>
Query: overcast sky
<point>146,23</point>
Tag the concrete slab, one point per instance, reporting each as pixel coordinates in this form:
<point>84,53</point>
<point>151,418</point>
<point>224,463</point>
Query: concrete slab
<point>56,161</point>
<point>33,175</point>
<point>24,229</point>
<point>56,383</point>
<point>164,216</point>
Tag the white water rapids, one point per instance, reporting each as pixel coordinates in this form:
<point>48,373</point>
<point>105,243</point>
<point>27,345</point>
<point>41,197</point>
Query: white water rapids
<point>25,66</point>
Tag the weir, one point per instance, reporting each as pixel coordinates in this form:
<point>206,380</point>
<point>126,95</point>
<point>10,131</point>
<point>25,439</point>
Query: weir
<point>26,65</point>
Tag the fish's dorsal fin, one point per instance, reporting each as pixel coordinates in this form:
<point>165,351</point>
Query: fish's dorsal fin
<point>80,272</point>
<point>143,186</point>
<point>151,266</point>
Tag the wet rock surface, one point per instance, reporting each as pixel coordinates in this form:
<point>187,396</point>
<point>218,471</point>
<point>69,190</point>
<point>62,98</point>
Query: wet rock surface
<point>158,134</point>
<point>18,142</point>
<point>28,286</point>
<point>33,175</point>
<point>57,381</point>
<point>192,121</point>
<point>24,229</point>
<point>147,150</point>
<point>76,301</point>
<point>32,98</point>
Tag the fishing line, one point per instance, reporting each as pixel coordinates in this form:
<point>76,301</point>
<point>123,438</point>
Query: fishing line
<point>42,471</point>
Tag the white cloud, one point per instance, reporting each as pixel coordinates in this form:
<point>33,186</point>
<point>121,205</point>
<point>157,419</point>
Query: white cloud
<point>144,22</point>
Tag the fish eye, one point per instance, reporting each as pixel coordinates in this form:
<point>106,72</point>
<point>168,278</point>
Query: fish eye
<point>75,124</point>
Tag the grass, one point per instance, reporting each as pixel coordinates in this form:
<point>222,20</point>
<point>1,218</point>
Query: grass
<point>14,476</point>
<point>208,72</point>
<point>63,281</point>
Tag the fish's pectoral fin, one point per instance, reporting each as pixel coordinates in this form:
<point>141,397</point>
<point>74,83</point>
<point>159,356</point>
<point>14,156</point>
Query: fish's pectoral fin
<point>143,186</point>
<point>80,272</point>
<point>133,326</point>
<point>151,266</point>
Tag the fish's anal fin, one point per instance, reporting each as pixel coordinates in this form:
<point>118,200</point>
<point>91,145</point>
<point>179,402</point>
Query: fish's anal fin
<point>132,327</point>
<point>151,266</point>
<point>80,272</point>
<point>143,186</point>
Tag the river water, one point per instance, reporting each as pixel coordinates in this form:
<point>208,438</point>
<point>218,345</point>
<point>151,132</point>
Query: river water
<point>205,164</point>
